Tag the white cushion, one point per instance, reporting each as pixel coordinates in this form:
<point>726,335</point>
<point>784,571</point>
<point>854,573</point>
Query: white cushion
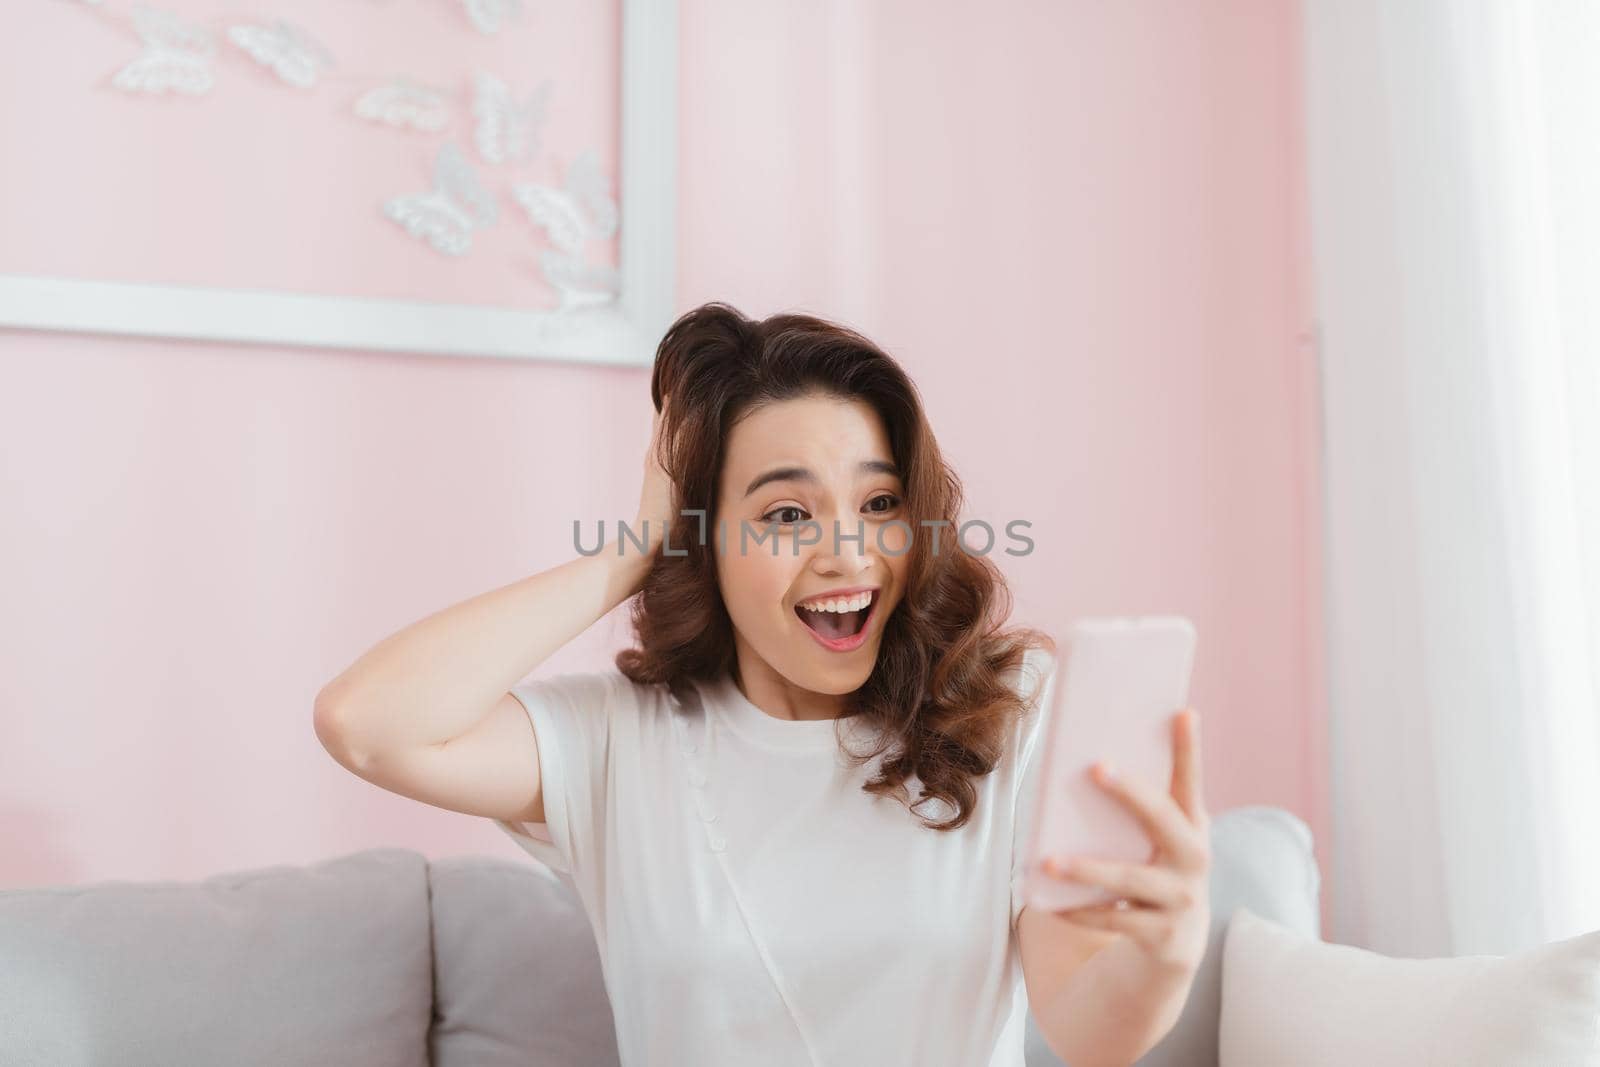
<point>1292,999</point>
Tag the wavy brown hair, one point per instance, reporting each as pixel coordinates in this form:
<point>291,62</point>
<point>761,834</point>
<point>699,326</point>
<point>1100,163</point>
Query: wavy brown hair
<point>937,695</point>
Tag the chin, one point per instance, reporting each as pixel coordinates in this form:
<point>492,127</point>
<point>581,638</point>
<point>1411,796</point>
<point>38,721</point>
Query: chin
<point>837,679</point>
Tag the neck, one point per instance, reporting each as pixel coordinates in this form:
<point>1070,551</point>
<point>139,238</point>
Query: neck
<point>779,697</point>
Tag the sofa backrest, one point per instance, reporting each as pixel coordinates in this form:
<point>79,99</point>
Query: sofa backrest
<point>517,974</point>
<point>382,958</point>
<point>291,964</point>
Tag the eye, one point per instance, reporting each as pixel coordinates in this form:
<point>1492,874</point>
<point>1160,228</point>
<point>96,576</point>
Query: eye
<point>778,511</point>
<point>889,501</point>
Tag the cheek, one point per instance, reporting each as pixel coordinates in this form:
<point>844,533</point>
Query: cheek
<point>754,587</point>
<point>895,545</point>
<point>899,567</point>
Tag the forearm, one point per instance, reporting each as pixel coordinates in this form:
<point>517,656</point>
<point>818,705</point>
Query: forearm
<point>434,680</point>
<point>1114,1008</point>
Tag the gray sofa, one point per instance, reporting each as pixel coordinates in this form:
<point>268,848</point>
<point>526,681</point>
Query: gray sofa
<point>383,958</point>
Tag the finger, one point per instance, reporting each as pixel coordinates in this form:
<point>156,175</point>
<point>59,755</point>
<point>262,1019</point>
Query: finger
<point>1142,924</point>
<point>1186,788</point>
<point>1144,884</point>
<point>1167,824</point>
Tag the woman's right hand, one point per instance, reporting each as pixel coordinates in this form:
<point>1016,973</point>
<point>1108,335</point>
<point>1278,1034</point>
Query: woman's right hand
<point>657,496</point>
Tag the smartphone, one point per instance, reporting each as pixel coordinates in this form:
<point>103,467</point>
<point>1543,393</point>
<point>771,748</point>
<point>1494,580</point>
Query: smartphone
<point>1122,680</point>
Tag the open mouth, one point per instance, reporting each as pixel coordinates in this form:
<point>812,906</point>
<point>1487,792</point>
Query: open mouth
<point>834,625</point>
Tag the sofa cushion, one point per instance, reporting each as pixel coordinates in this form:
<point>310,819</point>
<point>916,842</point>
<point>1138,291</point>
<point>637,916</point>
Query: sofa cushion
<point>517,974</point>
<point>288,964</point>
<point>1261,856</point>
<point>1291,998</point>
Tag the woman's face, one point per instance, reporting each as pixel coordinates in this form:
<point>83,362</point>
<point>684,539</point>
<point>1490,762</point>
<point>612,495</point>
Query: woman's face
<point>825,460</point>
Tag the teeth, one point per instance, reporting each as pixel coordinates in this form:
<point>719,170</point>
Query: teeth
<point>840,604</point>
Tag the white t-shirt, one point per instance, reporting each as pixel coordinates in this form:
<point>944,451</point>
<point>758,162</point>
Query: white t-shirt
<point>752,905</point>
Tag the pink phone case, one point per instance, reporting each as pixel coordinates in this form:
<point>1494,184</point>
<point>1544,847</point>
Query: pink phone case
<point>1116,689</point>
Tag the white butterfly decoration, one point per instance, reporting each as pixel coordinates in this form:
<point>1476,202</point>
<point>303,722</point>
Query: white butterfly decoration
<point>582,209</point>
<point>491,16</point>
<point>177,56</point>
<point>580,284</point>
<point>284,48</point>
<point>508,128</point>
<point>405,105</point>
<point>446,215</point>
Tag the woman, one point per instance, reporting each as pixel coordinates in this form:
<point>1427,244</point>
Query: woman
<point>733,804</point>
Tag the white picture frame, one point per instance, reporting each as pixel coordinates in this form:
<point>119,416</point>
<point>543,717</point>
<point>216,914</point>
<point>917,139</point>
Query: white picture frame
<point>624,331</point>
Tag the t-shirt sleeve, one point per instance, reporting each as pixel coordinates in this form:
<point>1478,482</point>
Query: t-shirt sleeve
<point>572,716</point>
<point>1038,677</point>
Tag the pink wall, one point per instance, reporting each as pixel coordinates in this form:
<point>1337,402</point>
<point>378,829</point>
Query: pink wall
<point>1081,225</point>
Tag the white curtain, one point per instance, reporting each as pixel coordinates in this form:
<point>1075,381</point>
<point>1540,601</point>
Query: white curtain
<point>1454,164</point>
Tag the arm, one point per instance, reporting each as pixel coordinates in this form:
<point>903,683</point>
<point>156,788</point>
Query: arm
<point>1097,998</point>
<point>434,680</point>
<point>427,712</point>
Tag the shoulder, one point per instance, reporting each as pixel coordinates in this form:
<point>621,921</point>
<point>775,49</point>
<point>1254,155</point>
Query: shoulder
<point>1034,681</point>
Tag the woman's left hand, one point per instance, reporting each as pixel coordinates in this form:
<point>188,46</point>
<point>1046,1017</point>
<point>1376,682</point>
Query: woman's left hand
<point>1162,905</point>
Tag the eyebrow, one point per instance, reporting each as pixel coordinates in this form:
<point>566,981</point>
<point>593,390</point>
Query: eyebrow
<point>802,474</point>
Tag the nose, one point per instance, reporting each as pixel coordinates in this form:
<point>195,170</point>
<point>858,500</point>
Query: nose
<point>845,555</point>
